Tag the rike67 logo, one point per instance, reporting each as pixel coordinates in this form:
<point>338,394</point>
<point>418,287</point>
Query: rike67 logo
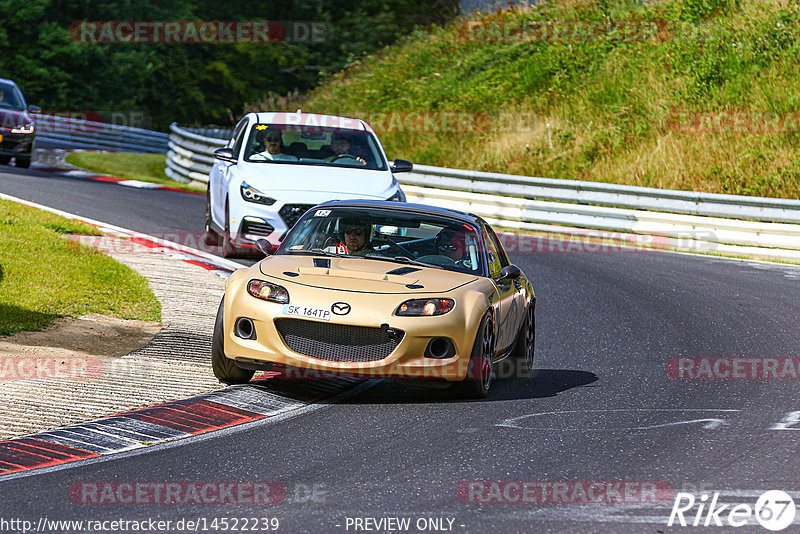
<point>774,510</point>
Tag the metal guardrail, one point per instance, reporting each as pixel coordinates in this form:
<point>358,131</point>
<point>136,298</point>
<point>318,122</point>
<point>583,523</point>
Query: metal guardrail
<point>621,196</point>
<point>760,227</point>
<point>98,135</point>
<point>190,153</point>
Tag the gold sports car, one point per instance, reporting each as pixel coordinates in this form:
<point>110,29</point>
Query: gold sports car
<point>380,289</point>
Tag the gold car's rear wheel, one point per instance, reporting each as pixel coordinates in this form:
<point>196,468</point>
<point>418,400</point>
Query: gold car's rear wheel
<point>224,368</point>
<point>479,373</point>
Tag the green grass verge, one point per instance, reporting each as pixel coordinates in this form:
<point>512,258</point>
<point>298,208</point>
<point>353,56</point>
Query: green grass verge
<point>44,276</point>
<point>595,103</point>
<point>129,166</point>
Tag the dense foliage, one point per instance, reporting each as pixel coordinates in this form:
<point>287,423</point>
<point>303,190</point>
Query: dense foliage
<point>189,83</point>
<point>685,94</point>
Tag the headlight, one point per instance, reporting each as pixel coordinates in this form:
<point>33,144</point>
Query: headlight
<point>24,129</point>
<point>264,290</point>
<point>397,197</point>
<point>418,307</point>
<point>251,194</point>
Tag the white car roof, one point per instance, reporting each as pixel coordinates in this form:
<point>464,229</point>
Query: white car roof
<point>311,119</point>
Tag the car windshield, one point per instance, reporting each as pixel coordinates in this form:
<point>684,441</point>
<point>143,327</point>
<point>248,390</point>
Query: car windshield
<point>313,145</point>
<point>10,98</point>
<point>386,235</point>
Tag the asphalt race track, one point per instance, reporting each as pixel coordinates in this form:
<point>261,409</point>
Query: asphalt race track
<point>602,408</point>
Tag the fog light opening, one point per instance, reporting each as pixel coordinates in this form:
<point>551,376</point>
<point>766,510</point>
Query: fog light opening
<point>245,328</point>
<point>440,347</point>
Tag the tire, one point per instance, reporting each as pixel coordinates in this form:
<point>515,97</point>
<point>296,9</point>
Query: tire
<point>224,368</point>
<point>210,237</point>
<point>23,162</point>
<point>521,360</point>
<point>5,160</point>
<point>228,248</point>
<point>479,373</point>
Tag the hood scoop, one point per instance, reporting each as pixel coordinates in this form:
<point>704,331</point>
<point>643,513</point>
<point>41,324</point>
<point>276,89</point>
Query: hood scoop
<point>323,263</point>
<point>404,270</point>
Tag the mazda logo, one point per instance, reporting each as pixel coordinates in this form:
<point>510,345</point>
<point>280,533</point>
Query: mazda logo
<point>340,308</point>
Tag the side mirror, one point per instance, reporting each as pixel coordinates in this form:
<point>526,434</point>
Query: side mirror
<point>34,109</point>
<point>401,165</point>
<point>509,272</point>
<point>265,247</point>
<point>224,154</point>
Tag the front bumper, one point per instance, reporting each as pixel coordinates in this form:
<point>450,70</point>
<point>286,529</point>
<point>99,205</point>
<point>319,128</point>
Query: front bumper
<point>252,222</point>
<point>16,144</point>
<point>406,360</point>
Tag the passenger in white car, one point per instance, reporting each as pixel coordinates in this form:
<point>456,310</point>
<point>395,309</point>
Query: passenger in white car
<point>274,149</point>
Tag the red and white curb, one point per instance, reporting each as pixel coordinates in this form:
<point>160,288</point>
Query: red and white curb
<point>234,405</point>
<point>52,161</point>
<point>267,397</point>
<point>128,183</point>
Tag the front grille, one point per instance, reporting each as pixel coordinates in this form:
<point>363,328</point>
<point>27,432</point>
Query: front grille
<point>337,342</point>
<point>259,228</point>
<point>291,212</point>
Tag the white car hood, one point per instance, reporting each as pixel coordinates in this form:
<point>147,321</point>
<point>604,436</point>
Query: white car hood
<point>276,177</point>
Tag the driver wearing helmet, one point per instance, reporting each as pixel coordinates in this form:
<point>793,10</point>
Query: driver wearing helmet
<point>355,237</point>
<point>453,244</point>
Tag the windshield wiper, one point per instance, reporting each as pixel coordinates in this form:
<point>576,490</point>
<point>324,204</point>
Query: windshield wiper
<point>402,259</point>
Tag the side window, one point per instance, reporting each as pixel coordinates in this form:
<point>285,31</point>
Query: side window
<point>501,252</point>
<point>493,254</point>
<point>238,135</point>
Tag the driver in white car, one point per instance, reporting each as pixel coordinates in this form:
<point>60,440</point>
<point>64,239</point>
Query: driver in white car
<point>340,144</point>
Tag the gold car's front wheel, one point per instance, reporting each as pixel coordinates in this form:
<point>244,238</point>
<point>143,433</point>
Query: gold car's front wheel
<point>224,368</point>
<point>521,359</point>
<point>479,373</point>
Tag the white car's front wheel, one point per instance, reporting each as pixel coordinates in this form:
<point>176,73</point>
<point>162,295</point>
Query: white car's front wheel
<point>210,237</point>
<point>228,248</point>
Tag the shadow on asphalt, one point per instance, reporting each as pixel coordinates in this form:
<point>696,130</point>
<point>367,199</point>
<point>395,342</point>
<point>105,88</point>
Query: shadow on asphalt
<point>544,383</point>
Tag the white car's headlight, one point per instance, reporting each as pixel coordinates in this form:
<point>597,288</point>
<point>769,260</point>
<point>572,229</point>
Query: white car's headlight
<point>251,194</point>
<point>23,129</point>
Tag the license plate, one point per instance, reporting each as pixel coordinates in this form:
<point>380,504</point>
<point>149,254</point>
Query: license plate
<point>307,312</point>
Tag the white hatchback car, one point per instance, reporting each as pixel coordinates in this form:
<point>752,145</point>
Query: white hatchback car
<point>277,165</point>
